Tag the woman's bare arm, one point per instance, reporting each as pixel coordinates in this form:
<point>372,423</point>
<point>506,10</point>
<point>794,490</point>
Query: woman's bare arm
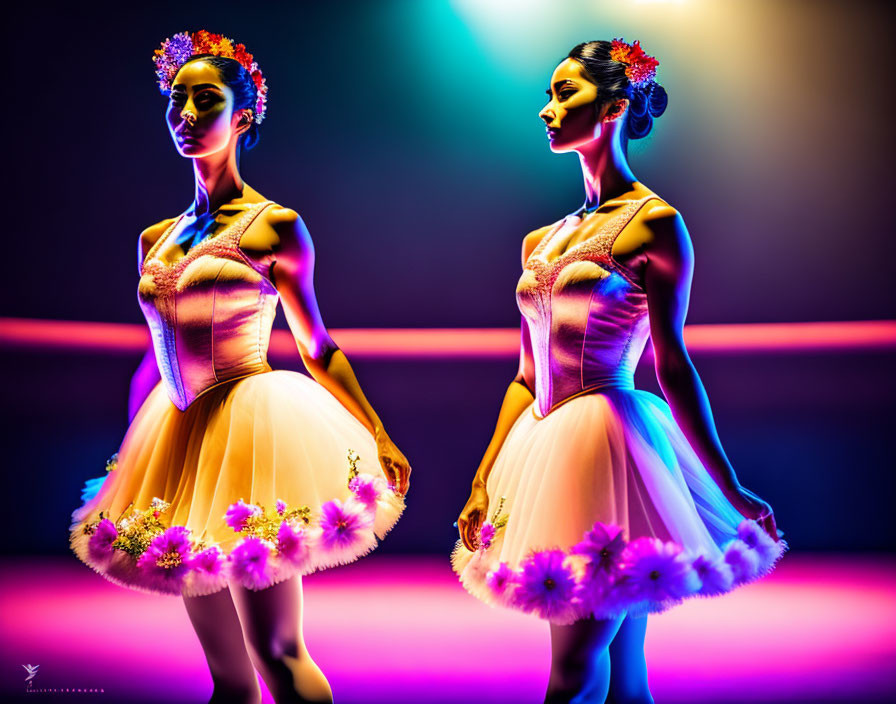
<point>668,275</point>
<point>292,273</point>
<point>520,394</point>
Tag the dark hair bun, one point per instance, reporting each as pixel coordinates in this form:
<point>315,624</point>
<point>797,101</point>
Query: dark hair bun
<point>657,100</point>
<point>647,102</point>
<point>637,106</point>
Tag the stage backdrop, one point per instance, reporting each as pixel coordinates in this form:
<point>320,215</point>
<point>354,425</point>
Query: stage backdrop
<point>406,135</point>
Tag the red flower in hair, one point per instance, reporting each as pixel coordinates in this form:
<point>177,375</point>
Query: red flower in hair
<point>639,66</point>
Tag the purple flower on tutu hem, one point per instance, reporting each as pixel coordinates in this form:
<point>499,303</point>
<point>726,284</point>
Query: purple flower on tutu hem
<point>281,506</point>
<point>166,561</point>
<point>603,546</point>
<point>249,562</point>
<point>100,544</point>
<point>502,581</point>
<point>742,559</point>
<point>654,571</point>
<point>292,543</point>
<point>715,576</point>
<point>487,535</point>
<point>343,525</point>
<point>547,587</point>
<point>755,537</point>
<point>209,561</point>
<point>238,512</point>
<point>367,489</point>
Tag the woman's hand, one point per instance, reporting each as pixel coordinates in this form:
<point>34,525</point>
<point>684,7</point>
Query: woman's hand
<point>751,506</point>
<point>395,465</point>
<point>472,517</point>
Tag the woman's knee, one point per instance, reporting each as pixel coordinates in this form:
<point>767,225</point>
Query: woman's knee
<point>272,650</point>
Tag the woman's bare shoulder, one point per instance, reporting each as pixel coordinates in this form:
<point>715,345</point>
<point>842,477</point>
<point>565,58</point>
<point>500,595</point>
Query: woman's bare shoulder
<point>658,209</point>
<point>151,235</point>
<point>531,240</point>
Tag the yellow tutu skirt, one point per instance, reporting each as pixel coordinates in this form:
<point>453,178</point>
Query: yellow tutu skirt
<point>259,479</point>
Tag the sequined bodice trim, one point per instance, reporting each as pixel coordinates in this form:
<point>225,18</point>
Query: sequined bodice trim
<point>586,313</point>
<point>210,313</point>
<point>224,244</point>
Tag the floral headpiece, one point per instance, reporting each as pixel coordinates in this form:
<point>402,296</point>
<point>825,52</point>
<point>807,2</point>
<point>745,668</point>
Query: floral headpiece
<point>639,67</point>
<point>177,50</point>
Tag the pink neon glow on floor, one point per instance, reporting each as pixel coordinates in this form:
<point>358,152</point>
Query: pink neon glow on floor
<point>388,629</point>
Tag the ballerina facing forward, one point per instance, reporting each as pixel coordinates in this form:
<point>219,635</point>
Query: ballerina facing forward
<point>592,505</point>
<point>234,479</point>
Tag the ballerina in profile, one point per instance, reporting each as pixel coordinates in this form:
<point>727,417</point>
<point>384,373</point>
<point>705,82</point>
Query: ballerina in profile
<point>596,503</point>
<point>234,479</point>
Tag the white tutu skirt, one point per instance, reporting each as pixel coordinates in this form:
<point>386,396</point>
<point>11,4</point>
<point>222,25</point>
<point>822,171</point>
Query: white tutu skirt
<point>602,508</point>
<point>259,479</point>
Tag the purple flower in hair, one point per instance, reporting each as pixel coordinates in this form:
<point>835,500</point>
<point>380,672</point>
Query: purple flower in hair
<point>249,562</point>
<point>715,576</point>
<point>166,561</point>
<point>173,53</point>
<point>654,571</point>
<point>99,546</point>
<point>603,546</point>
<point>547,587</point>
<point>238,512</point>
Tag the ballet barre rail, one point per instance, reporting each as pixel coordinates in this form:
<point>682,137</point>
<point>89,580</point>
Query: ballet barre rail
<point>464,343</point>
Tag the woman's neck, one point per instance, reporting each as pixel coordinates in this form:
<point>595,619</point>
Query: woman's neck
<point>217,180</point>
<point>605,171</point>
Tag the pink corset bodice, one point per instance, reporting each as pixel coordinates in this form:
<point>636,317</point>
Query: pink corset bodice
<point>210,313</point>
<point>586,314</point>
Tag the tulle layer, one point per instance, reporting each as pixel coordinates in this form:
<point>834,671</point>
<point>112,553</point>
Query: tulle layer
<point>259,479</point>
<point>602,508</point>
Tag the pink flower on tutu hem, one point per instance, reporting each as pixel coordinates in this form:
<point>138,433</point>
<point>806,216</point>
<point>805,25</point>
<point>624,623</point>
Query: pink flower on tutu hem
<point>742,559</point>
<point>598,594</point>
<point>238,512</point>
<point>547,587</point>
<point>99,547</point>
<point>166,561</point>
<point>209,561</point>
<point>292,544</point>
<point>367,489</point>
<point>654,571</point>
<point>249,562</point>
<point>603,546</point>
<point>281,506</point>
<point>502,582</point>
<point>757,539</point>
<point>715,576</point>
<point>487,535</point>
<point>344,525</point>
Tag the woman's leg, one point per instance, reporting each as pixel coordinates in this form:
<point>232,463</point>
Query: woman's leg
<point>580,661</point>
<point>217,624</point>
<point>272,624</point>
<point>628,668</point>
